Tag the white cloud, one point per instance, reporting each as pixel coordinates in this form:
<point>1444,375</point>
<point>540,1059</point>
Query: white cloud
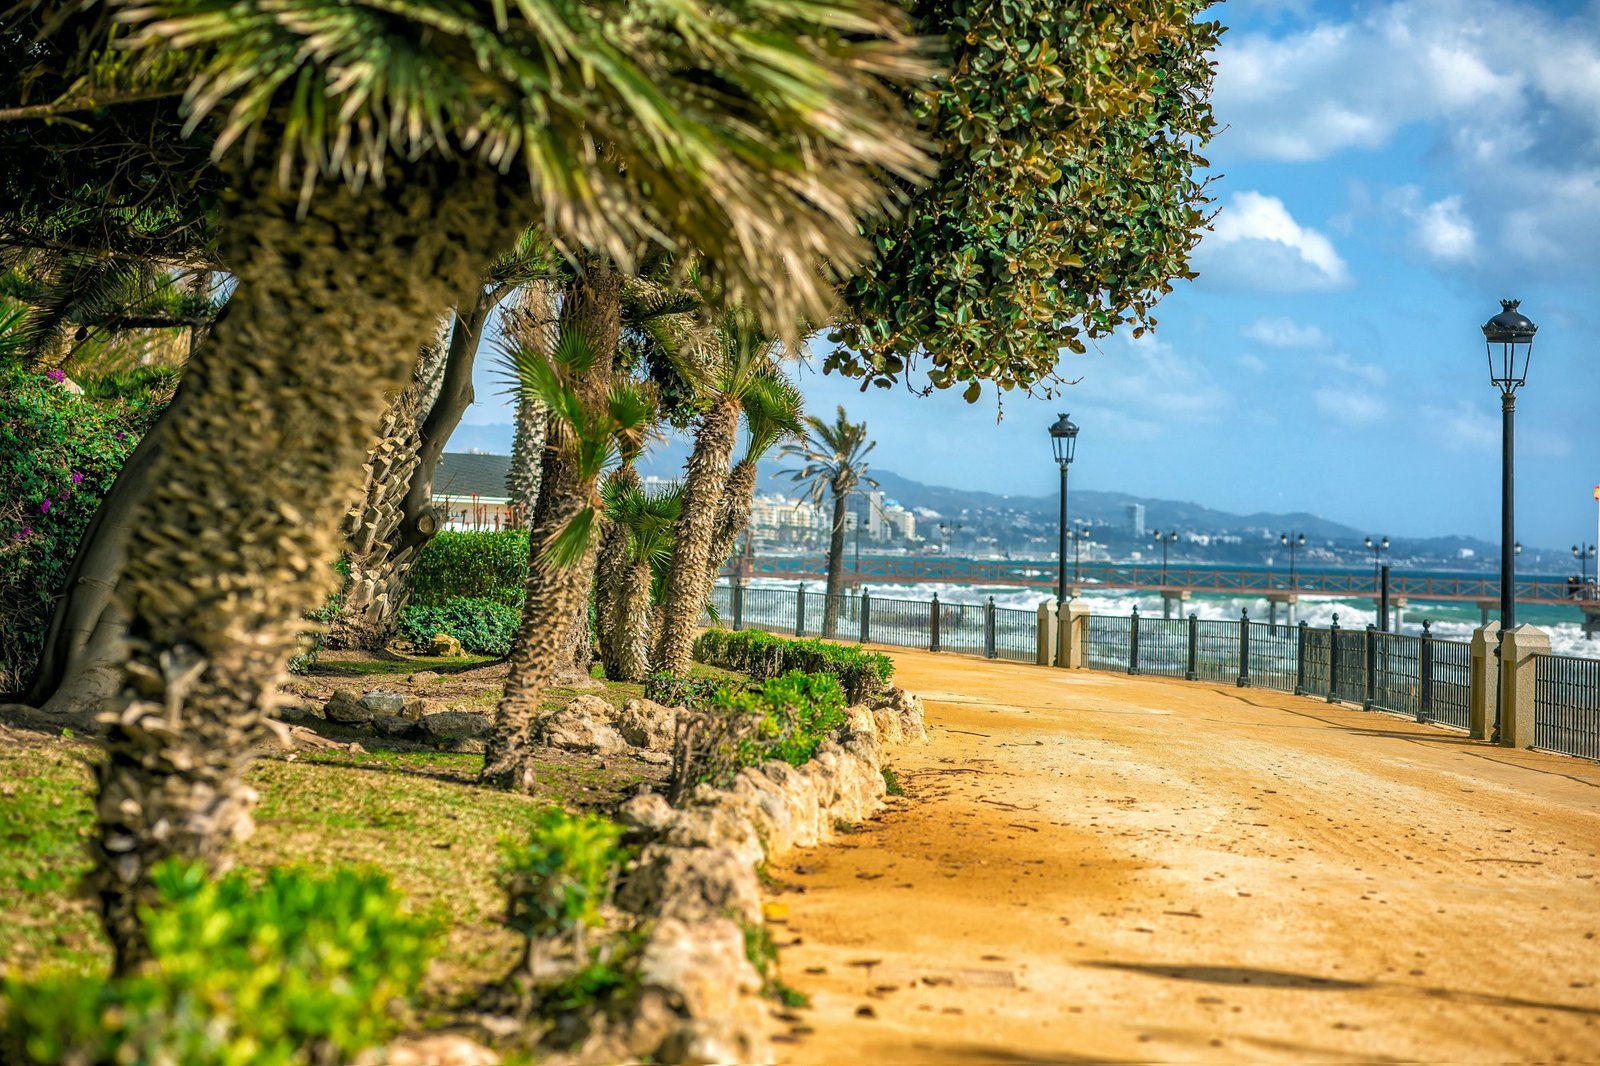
<point>1344,365</point>
<point>1286,333</point>
<point>1440,230</point>
<point>1501,98</point>
<point>1463,427</point>
<point>1147,383</point>
<point>1350,406</point>
<point>1253,363</point>
<point>1256,243</point>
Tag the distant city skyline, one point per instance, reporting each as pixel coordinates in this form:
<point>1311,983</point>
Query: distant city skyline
<point>1387,173</point>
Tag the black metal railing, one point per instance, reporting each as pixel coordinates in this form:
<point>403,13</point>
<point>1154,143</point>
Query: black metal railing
<point>1420,676</point>
<point>1566,705</point>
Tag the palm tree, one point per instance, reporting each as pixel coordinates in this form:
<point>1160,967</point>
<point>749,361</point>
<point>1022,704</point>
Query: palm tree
<point>748,355</point>
<point>366,154</point>
<point>834,458</point>
<point>644,524</point>
<point>589,430</point>
<point>772,412</point>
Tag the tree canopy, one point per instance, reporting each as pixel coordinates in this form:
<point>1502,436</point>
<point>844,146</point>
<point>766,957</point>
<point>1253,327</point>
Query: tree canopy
<point>1066,201</point>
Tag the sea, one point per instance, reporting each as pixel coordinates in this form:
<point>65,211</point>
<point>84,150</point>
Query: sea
<point>1449,620</point>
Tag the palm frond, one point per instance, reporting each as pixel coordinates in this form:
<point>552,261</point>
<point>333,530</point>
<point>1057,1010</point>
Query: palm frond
<point>833,456</point>
<point>772,413</point>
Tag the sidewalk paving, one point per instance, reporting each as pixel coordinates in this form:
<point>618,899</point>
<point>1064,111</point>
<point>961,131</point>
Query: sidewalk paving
<point>1091,867</point>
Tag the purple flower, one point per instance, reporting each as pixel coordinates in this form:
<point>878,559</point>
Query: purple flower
<point>26,531</point>
<point>58,375</point>
<point>121,435</point>
<point>77,477</point>
<point>44,508</point>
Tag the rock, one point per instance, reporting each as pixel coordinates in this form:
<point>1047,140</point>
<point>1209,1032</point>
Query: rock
<point>648,810</point>
<point>908,708</point>
<point>423,677</point>
<point>433,707</point>
<point>654,758</point>
<point>348,711</point>
<point>858,719</point>
<point>703,963</point>
<point>450,726</point>
<point>393,725</point>
<point>289,710</point>
<point>444,645</point>
<point>692,884</point>
<point>439,1049</point>
<point>579,683</point>
<point>398,703</point>
<point>647,724</point>
<point>596,707</point>
<point>707,1041</point>
<point>718,825</point>
<point>470,746</point>
<point>890,731</point>
<point>574,730</point>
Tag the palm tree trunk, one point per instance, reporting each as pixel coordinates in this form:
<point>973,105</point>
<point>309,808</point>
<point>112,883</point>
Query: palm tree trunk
<point>631,647</point>
<point>531,323</point>
<point>835,588</point>
<point>610,575</point>
<point>732,516</point>
<point>705,477</point>
<point>553,595</point>
<point>241,524</point>
<point>376,593</point>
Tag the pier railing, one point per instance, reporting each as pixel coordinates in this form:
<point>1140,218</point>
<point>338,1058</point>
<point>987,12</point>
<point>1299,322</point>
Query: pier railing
<point>1421,676</point>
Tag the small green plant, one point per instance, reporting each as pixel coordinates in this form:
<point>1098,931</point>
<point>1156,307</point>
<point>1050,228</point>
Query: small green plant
<point>483,626</point>
<point>891,782</point>
<point>691,692</point>
<point>297,968</point>
<point>863,674</point>
<point>785,718</point>
<point>558,879</point>
<point>762,951</point>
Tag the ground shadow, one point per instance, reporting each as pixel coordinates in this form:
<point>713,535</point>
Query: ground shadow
<point>1232,975</point>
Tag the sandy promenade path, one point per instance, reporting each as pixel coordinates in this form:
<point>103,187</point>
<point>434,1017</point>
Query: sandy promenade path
<point>1091,867</point>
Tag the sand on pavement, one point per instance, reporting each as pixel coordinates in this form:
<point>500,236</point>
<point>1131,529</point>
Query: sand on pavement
<point>1091,867</point>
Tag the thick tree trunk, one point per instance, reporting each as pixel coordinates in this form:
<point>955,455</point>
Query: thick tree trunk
<point>732,516</point>
<point>835,588</point>
<point>531,323</point>
<point>705,477</point>
<point>554,595</point>
<point>241,524</point>
<point>610,574</point>
<point>630,650</point>
<point>375,593</point>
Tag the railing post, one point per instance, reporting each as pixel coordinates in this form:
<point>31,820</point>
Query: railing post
<point>866,628</point>
<point>1133,641</point>
<point>800,611</point>
<point>1193,672</point>
<point>738,605</point>
<point>1425,674</point>
<point>1372,668</point>
<point>1302,638</point>
<point>1523,646</point>
<point>1333,661</point>
<point>1244,648</point>
<point>1045,634</point>
<point>933,624</point>
<point>989,642</point>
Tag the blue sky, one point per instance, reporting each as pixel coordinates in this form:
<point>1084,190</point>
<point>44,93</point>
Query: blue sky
<point>1387,173</point>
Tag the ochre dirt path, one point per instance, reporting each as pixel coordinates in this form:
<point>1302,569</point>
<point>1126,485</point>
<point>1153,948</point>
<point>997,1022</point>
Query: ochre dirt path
<point>1091,867</point>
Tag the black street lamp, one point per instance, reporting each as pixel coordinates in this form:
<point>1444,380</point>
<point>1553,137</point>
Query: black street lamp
<point>1064,440</point>
<point>1378,548</point>
<point>1166,540</point>
<point>1508,341</point>
<point>1583,553</point>
<point>1292,541</point>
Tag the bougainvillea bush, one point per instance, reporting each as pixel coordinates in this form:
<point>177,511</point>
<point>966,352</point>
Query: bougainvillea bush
<point>59,454</point>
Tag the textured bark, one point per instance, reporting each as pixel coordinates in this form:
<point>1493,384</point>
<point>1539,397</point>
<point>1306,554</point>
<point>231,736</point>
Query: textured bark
<point>732,516</point>
<point>705,477</point>
<point>611,569</point>
<point>375,593</point>
<point>554,596</point>
<point>630,648</point>
<point>835,588</point>
<point>531,323</point>
<point>242,517</point>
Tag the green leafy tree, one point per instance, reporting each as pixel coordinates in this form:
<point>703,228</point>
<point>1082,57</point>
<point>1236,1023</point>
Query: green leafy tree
<point>833,458</point>
<point>1066,201</point>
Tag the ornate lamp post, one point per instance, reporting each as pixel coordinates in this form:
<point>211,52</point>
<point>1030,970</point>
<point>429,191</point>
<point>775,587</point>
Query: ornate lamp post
<point>1064,440</point>
<point>1378,548</point>
<point>1292,541</point>
<point>1508,341</point>
<point>1583,553</point>
<point>1166,540</point>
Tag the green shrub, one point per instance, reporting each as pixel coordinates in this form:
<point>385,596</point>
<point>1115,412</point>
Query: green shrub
<point>786,718</point>
<point>300,968</point>
<point>59,454</point>
<point>482,626</point>
<point>557,880</point>
<point>691,692</point>
<point>481,566</point>
<point>864,674</point>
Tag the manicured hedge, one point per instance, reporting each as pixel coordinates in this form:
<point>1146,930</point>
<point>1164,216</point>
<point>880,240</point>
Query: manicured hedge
<point>481,566</point>
<point>863,674</point>
<point>786,717</point>
<point>483,626</point>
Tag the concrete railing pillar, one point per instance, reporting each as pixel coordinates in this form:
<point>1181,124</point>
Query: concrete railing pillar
<point>1483,682</point>
<point>1074,622</point>
<point>1516,682</point>
<point>1046,634</point>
